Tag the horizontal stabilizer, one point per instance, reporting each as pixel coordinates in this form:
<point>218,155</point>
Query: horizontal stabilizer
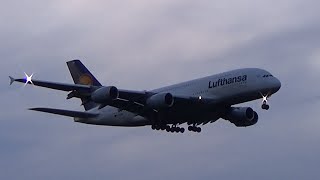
<point>66,112</point>
<point>11,80</point>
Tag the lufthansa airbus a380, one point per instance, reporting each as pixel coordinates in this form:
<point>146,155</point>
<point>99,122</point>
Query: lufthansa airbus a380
<point>196,102</point>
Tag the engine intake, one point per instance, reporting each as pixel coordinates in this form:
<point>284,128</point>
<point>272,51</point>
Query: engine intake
<point>105,94</point>
<point>161,100</point>
<point>242,116</point>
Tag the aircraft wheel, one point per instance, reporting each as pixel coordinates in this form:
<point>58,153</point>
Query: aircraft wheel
<point>182,130</point>
<point>163,128</point>
<point>198,130</point>
<point>189,128</point>
<point>265,106</point>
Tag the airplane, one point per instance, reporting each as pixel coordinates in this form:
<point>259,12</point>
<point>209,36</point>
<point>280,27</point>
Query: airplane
<point>195,103</point>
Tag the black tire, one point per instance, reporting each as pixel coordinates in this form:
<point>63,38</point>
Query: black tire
<point>182,130</point>
<point>267,107</point>
<point>163,128</point>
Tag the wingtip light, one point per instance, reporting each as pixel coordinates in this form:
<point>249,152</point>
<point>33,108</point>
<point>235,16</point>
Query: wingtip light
<point>28,79</point>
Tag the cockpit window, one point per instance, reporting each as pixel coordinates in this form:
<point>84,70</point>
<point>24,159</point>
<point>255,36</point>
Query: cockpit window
<point>268,75</point>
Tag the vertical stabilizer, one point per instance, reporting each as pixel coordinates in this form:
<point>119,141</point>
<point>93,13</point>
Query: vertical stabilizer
<point>81,75</point>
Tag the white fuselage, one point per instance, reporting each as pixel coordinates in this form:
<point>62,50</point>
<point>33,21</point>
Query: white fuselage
<point>237,86</point>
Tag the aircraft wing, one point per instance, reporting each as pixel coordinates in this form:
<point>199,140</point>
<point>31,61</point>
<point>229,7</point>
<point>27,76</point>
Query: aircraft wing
<point>53,85</point>
<point>66,112</point>
<point>135,102</point>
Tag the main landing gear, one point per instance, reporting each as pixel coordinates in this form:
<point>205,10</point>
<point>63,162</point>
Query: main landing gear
<point>176,129</point>
<point>194,128</point>
<point>265,104</point>
<point>172,129</point>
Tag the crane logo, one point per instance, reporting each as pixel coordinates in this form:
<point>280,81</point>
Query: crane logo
<point>85,79</point>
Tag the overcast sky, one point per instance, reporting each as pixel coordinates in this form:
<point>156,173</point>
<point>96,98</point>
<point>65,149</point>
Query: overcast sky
<point>147,44</point>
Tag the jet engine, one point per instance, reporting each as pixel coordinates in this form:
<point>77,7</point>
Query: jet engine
<point>105,94</point>
<point>161,100</point>
<point>242,116</point>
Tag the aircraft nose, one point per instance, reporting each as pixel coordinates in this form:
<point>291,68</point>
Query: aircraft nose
<point>277,84</point>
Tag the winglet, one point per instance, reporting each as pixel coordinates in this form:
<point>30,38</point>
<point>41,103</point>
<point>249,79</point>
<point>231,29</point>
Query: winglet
<point>12,80</point>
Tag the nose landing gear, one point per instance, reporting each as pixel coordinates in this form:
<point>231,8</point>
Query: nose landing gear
<point>265,104</point>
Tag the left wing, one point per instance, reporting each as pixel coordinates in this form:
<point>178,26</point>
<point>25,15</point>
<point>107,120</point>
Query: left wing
<point>53,85</point>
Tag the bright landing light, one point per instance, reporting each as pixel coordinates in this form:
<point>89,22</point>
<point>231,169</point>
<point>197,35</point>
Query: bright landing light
<point>265,98</point>
<point>28,79</point>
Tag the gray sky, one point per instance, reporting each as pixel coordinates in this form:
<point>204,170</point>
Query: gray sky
<point>147,44</point>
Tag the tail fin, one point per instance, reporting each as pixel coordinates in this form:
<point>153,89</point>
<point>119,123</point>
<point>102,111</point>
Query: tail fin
<point>81,75</point>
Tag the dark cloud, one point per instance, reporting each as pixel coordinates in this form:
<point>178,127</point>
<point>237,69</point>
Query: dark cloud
<point>130,45</point>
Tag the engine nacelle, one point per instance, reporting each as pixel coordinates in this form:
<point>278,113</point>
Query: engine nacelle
<point>242,116</point>
<point>105,94</point>
<point>161,100</point>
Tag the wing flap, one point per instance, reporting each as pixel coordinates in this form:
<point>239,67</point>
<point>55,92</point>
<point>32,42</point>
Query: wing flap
<point>66,112</point>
